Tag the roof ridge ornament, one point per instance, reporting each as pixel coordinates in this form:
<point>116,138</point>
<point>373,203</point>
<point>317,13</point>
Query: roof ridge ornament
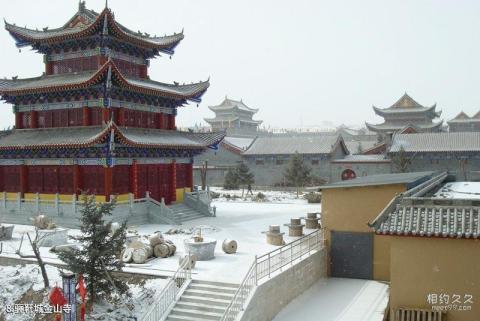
<point>105,26</point>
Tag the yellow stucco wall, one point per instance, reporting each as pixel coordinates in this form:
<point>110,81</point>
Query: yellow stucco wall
<point>180,193</point>
<point>421,266</point>
<point>350,209</point>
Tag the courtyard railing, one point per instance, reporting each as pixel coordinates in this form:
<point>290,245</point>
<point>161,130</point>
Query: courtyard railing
<point>264,266</point>
<point>199,201</point>
<point>170,293</point>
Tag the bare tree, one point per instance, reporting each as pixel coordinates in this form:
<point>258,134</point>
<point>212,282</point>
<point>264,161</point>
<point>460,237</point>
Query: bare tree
<point>401,160</point>
<point>36,252</point>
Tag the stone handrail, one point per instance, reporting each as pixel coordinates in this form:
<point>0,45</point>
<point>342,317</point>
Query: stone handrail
<point>170,293</point>
<point>199,201</point>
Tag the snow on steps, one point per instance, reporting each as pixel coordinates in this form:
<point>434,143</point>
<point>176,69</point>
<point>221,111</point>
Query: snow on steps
<point>202,301</point>
<point>185,213</point>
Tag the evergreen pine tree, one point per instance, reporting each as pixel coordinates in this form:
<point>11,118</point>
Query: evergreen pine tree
<point>297,173</point>
<point>244,176</point>
<point>99,251</point>
<point>231,179</point>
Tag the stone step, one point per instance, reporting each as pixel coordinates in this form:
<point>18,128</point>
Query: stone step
<point>207,307</point>
<point>176,317</point>
<point>208,294</point>
<point>217,283</point>
<point>212,288</point>
<point>197,299</point>
<point>194,313</point>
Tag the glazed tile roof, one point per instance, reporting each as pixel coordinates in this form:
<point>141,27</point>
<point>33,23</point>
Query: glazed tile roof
<point>53,82</point>
<point>411,213</point>
<point>239,142</point>
<point>287,145</point>
<point>84,21</point>
<point>437,142</point>
<point>228,104</point>
<point>464,118</point>
<point>37,138</point>
<point>433,220</point>
<point>353,146</point>
<point>89,136</point>
<point>392,127</point>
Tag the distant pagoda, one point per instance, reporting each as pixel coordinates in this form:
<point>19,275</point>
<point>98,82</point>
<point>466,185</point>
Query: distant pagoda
<point>406,112</point>
<point>464,123</point>
<point>94,121</point>
<point>234,116</point>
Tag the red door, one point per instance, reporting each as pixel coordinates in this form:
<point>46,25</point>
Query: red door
<point>142,180</point>
<point>163,181</point>
<point>152,179</point>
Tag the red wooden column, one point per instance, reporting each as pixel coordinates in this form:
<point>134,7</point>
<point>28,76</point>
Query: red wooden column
<point>108,183</point>
<point>161,120</point>
<point>189,173</point>
<point>171,122</point>
<point>23,179</point>
<point>33,119</point>
<point>86,116</point>
<point>48,68</point>
<point>173,180</point>
<point>106,114</point>
<point>134,178</point>
<point>18,120</point>
<point>121,116</point>
<point>77,184</point>
<point>143,71</point>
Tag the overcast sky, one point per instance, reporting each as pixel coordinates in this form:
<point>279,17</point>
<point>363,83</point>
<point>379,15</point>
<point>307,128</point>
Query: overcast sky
<point>301,62</point>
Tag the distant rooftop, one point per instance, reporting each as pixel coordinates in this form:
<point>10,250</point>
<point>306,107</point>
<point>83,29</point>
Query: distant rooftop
<point>285,145</point>
<point>437,142</point>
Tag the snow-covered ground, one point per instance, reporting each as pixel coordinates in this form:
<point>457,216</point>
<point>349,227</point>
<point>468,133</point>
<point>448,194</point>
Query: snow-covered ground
<point>336,299</point>
<point>467,190</point>
<point>240,220</point>
<point>16,281</point>
<point>271,196</point>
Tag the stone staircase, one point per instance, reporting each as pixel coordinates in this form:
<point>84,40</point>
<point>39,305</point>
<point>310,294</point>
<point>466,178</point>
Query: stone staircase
<point>183,213</point>
<point>203,301</point>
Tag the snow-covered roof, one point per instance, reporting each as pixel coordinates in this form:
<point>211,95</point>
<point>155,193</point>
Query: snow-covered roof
<point>437,142</point>
<point>288,145</point>
<point>459,190</point>
<point>363,159</point>
<point>240,142</point>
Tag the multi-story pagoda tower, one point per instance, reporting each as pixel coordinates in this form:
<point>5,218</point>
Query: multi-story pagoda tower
<point>234,116</point>
<point>406,112</point>
<point>95,121</point>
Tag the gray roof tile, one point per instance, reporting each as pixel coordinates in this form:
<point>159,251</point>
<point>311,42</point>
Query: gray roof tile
<point>437,142</point>
<point>285,145</point>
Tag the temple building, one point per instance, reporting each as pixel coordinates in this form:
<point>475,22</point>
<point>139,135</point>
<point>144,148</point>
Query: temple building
<point>406,113</point>
<point>463,123</point>
<point>234,117</point>
<point>95,121</point>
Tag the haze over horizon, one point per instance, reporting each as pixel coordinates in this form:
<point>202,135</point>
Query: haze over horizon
<point>302,63</point>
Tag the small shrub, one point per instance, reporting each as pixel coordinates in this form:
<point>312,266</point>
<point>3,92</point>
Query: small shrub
<point>313,197</point>
<point>260,197</point>
<point>214,195</point>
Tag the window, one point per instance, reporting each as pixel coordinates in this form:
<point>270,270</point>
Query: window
<point>259,161</point>
<point>315,162</point>
<point>279,161</point>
